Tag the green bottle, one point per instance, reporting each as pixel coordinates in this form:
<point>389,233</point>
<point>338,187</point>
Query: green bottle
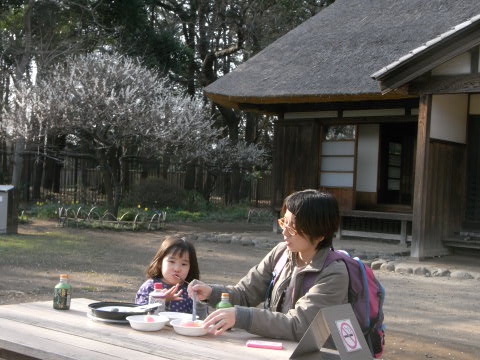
<point>62,294</point>
<point>224,302</point>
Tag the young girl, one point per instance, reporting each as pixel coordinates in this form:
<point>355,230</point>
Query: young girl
<point>174,265</point>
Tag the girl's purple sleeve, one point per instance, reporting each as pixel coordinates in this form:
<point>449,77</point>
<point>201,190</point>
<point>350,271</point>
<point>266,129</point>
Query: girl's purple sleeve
<point>142,293</point>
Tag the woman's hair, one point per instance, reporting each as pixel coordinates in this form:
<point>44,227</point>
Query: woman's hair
<point>174,245</point>
<point>316,214</point>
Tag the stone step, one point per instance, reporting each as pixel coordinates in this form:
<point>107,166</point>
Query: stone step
<point>464,241</point>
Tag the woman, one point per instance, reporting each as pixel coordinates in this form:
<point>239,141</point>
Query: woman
<point>310,220</point>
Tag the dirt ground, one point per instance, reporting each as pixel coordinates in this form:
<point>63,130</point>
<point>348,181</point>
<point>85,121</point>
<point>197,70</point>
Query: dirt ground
<point>426,318</point>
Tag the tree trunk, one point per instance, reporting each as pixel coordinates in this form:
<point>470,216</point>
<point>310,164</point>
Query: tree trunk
<point>232,122</point>
<point>209,185</point>
<point>37,178</point>
<point>107,180</point>
<point>18,162</point>
<point>19,71</point>
<point>190,177</point>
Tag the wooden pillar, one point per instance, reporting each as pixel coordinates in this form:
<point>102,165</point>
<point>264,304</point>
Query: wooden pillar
<point>419,228</point>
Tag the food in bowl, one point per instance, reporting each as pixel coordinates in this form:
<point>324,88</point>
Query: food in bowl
<point>188,328</point>
<point>192,323</point>
<point>147,322</point>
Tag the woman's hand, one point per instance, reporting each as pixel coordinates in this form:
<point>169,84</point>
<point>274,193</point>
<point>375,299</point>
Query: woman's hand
<point>202,290</point>
<point>220,321</point>
<point>173,293</point>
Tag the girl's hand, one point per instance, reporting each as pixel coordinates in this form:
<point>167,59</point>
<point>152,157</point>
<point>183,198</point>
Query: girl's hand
<point>202,290</point>
<point>220,321</point>
<point>173,293</point>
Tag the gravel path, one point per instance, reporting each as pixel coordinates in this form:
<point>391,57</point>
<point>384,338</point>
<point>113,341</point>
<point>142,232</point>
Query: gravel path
<point>427,316</point>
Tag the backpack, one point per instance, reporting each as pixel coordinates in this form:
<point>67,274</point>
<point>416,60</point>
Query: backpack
<point>365,293</point>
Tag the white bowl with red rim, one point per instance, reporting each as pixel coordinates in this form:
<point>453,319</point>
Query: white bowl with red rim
<point>188,327</point>
<point>147,322</point>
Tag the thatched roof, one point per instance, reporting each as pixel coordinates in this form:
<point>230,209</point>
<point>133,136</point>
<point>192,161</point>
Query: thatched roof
<point>332,55</point>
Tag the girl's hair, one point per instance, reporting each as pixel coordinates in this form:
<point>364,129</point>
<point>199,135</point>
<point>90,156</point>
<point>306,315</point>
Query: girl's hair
<point>174,245</point>
<point>316,214</point>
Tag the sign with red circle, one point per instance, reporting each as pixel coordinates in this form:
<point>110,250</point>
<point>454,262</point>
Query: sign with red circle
<point>348,335</point>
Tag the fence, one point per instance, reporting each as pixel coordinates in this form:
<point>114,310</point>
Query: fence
<point>77,178</point>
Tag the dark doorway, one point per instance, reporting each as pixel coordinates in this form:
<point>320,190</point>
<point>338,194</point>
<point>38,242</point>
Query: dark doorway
<point>397,160</point>
<point>472,213</point>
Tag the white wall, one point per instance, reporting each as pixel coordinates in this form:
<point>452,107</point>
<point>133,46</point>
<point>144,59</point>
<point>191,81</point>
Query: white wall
<point>449,118</point>
<point>367,157</point>
<point>458,65</point>
<point>475,104</point>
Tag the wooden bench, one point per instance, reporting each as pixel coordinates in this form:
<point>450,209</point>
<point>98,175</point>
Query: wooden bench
<point>402,217</point>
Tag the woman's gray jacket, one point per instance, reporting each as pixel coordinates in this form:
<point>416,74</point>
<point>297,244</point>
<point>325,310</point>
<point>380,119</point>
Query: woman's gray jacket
<point>330,287</point>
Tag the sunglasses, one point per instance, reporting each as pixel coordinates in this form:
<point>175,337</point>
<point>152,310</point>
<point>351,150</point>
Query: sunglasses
<point>288,228</point>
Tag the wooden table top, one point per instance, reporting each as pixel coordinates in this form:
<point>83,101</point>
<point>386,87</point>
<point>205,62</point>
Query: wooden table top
<point>36,330</point>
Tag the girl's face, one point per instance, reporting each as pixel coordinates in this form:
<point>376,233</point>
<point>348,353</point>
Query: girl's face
<point>175,267</point>
<point>295,242</point>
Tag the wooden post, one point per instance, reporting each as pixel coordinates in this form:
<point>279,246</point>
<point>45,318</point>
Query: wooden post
<point>338,235</point>
<point>420,195</point>
<point>403,233</point>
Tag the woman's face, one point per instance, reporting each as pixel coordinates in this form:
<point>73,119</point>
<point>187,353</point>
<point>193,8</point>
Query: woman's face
<point>175,268</point>
<point>296,242</point>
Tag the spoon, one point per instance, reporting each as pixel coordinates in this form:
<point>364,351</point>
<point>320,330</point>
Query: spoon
<point>194,306</point>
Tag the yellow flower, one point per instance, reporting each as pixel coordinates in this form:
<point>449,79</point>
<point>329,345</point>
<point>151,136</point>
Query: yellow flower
<point>38,202</point>
<point>146,209</point>
<point>77,202</point>
<point>138,206</point>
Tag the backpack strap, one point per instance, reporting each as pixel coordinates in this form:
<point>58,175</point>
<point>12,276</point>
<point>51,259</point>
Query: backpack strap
<point>279,266</point>
<point>276,271</point>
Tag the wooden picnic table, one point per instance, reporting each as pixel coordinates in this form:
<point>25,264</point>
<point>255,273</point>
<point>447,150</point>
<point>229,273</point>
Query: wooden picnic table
<point>37,331</point>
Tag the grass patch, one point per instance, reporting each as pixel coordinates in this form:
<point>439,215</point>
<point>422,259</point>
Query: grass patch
<point>31,245</point>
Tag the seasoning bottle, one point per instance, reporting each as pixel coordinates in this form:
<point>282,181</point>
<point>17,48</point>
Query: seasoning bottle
<point>62,294</point>
<point>224,302</point>
<point>157,296</point>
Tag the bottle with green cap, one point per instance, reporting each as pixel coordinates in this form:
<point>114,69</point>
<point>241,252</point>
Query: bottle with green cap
<point>224,302</point>
<point>62,294</point>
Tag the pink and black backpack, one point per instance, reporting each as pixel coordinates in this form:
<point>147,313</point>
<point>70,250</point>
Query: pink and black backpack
<point>365,294</point>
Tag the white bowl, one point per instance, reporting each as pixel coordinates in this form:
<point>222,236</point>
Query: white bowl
<point>140,322</point>
<point>188,330</point>
<point>172,315</point>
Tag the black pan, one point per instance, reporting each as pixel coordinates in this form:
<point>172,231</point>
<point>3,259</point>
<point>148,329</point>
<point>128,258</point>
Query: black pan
<point>110,314</point>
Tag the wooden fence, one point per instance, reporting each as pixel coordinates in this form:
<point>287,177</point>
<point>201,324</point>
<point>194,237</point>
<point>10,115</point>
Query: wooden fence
<point>77,178</point>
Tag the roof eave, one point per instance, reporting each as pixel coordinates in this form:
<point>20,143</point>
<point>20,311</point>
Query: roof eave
<point>417,62</point>
<point>248,102</point>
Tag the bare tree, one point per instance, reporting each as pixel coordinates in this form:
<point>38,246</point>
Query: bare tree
<point>116,107</point>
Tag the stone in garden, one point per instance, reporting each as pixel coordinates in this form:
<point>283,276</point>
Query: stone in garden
<point>236,239</point>
<point>224,238</point>
<point>421,270</point>
<point>439,272</point>
<point>376,264</point>
<point>403,268</point>
<point>367,262</point>
<point>390,266</point>
<point>246,241</point>
<point>201,238</point>
<point>191,237</point>
<point>462,275</point>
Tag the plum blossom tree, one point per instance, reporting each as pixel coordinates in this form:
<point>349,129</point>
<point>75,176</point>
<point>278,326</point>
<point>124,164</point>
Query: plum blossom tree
<point>116,107</point>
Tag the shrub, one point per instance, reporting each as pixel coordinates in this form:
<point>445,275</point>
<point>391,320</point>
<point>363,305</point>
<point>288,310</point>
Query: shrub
<point>156,193</point>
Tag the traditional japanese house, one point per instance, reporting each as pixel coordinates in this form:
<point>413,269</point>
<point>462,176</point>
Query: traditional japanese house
<point>378,102</point>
